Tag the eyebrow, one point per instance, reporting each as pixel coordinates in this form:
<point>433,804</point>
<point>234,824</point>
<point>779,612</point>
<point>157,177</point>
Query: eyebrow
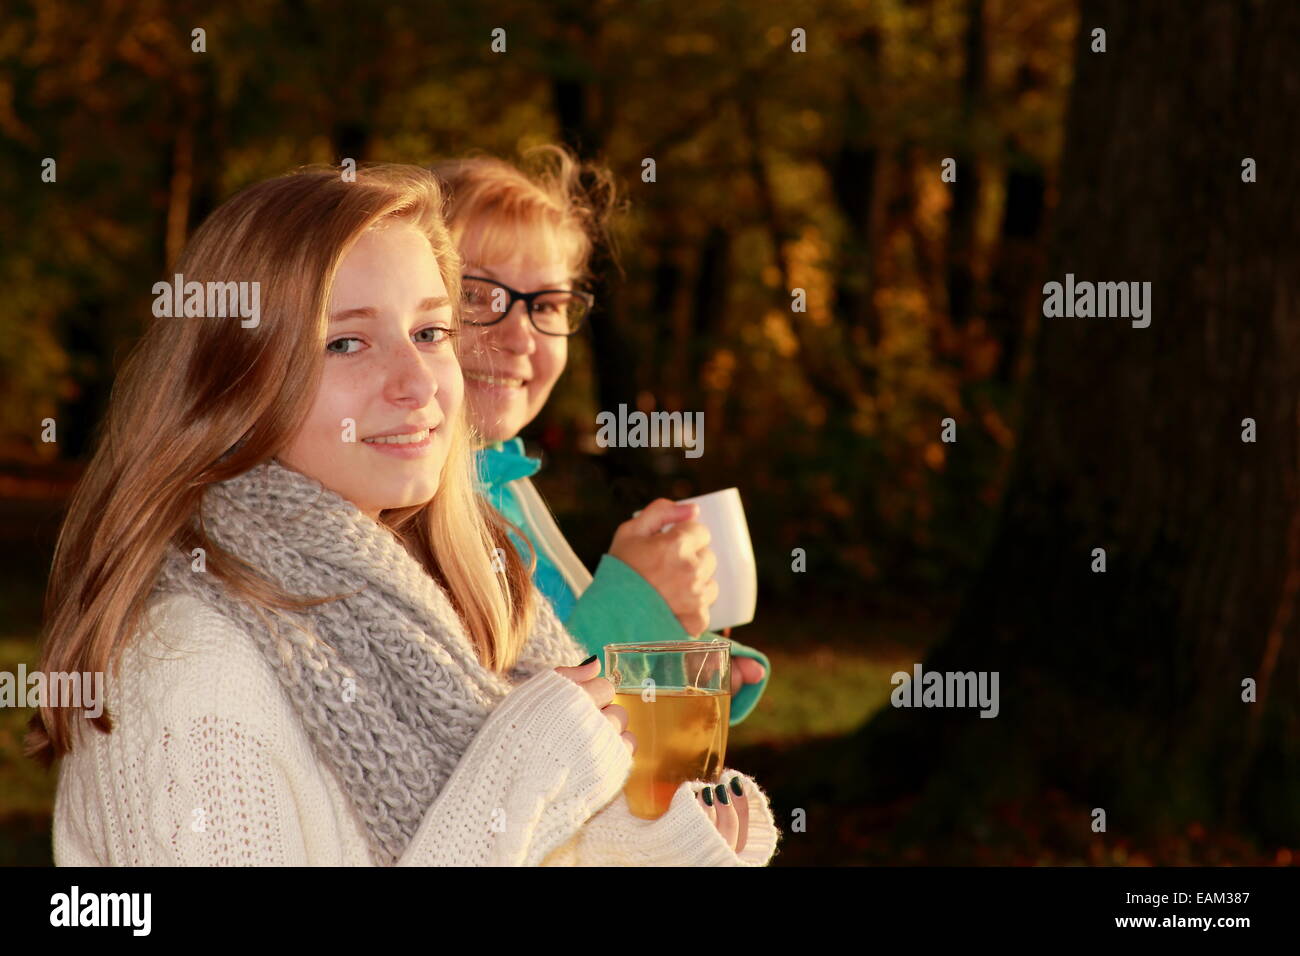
<point>431,304</point>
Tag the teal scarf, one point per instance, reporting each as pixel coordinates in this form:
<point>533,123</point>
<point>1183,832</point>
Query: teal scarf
<point>498,465</point>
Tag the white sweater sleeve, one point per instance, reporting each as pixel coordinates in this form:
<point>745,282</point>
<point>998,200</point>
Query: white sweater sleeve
<point>684,836</point>
<point>544,761</point>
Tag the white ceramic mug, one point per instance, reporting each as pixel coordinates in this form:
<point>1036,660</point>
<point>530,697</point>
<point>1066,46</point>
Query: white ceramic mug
<point>737,574</point>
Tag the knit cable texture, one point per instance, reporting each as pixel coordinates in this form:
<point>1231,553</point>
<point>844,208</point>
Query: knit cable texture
<point>385,680</point>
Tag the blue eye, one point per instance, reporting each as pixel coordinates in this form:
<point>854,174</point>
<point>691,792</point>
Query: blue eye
<point>330,346</point>
<point>443,335</point>
<point>434,335</point>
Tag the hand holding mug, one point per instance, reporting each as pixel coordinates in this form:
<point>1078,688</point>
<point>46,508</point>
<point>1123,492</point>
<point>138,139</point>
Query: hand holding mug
<point>745,670</point>
<point>677,561</point>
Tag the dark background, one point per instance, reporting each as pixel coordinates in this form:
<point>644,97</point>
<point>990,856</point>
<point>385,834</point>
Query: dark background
<point>778,170</point>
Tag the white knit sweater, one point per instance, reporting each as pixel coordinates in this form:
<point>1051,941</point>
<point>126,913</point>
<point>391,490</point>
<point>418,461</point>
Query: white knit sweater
<point>208,765</point>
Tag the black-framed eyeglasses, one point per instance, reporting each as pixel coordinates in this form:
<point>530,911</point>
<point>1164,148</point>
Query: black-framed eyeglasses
<point>552,311</point>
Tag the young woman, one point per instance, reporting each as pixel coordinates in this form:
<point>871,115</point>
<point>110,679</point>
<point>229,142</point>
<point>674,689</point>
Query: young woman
<point>278,555</point>
<point>521,234</point>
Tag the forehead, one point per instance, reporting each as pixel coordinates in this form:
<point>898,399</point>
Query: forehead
<point>389,263</point>
<point>527,253</point>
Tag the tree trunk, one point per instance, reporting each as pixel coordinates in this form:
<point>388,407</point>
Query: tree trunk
<point>1123,689</point>
<point>1019,261</point>
<point>854,181</point>
<point>854,173</point>
<point>963,220</point>
<point>672,348</point>
<point>614,370</point>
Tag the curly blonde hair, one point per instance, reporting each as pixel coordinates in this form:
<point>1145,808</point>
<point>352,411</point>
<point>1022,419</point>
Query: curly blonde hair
<point>550,193</point>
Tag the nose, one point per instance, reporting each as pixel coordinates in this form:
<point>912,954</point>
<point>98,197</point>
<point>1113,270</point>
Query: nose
<point>514,333</point>
<point>407,378</point>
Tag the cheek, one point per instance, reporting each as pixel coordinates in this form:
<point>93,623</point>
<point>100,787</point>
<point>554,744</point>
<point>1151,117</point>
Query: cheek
<point>336,400</point>
<point>473,339</point>
<point>451,384</point>
<point>549,366</point>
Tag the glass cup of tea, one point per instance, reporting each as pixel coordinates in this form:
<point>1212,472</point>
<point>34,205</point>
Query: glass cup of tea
<point>677,695</point>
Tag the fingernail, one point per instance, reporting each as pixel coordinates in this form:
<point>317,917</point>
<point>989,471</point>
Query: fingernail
<point>588,660</point>
<point>722,796</point>
<point>708,796</point>
<point>736,787</point>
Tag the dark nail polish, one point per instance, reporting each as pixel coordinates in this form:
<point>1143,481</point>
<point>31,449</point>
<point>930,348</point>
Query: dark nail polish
<point>588,660</point>
<point>722,796</point>
<point>736,787</point>
<point>708,796</point>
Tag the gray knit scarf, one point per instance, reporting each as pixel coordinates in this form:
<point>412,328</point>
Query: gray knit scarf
<point>386,682</point>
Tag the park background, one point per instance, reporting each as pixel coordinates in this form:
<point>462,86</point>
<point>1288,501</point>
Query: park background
<point>818,170</point>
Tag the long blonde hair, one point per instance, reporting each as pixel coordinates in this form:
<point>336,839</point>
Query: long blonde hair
<point>201,400</point>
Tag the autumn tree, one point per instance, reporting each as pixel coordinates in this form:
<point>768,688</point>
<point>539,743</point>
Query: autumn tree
<point>1175,448</point>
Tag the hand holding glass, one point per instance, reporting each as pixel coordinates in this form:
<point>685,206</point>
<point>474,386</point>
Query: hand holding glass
<point>677,695</point>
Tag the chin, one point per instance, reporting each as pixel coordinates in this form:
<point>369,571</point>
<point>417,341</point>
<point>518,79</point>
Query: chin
<point>497,427</point>
<point>503,419</point>
<point>409,494</point>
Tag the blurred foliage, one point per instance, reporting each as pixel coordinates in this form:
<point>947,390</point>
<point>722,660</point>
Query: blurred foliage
<point>776,170</point>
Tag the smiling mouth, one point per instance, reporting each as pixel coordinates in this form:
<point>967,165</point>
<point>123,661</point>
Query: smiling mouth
<point>414,438</point>
<point>496,380</point>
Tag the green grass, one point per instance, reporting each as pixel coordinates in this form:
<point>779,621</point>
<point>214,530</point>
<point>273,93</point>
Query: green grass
<point>830,668</point>
<point>26,790</point>
<point>820,692</point>
<point>24,786</point>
